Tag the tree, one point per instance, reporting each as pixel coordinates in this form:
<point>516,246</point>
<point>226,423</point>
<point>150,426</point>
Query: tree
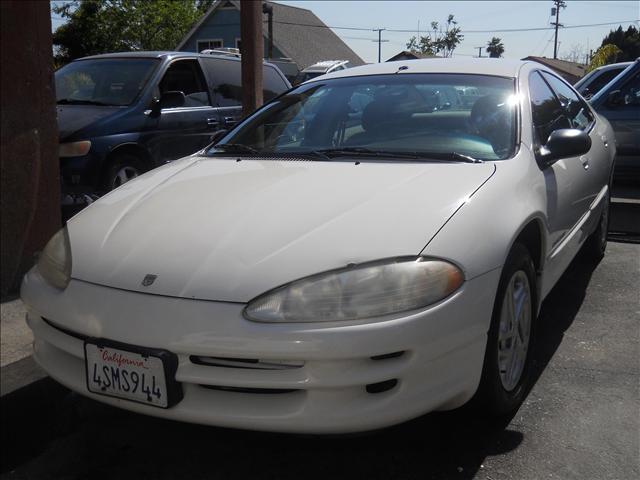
<point>604,55</point>
<point>495,47</point>
<point>95,27</point>
<point>627,41</point>
<point>576,54</point>
<point>438,42</point>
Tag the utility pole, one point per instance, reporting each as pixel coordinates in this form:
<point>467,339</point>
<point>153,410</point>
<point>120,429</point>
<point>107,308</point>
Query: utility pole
<point>30,180</point>
<point>252,53</point>
<point>380,41</point>
<point>556,11</point>
<point>479,51</point>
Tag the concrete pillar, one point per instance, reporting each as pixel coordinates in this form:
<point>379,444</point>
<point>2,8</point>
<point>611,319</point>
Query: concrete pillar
<point>30,179</point>
<point>252,52</point>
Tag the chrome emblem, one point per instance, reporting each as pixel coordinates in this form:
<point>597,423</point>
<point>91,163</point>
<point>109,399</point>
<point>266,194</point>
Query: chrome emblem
<point>148,279</point>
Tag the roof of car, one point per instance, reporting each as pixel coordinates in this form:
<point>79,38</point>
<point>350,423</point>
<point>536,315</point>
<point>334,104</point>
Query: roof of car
<point>485,66</point>
<point>614,65</point>
<point>159,54</point>
<point>324,65</point>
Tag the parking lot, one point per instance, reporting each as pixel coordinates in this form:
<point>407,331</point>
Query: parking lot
<point>580,420</point>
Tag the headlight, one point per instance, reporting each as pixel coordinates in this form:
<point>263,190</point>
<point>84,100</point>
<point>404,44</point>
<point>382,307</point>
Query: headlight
<point>54,263</point>
<point>363,291</point>
<point>74,149</point>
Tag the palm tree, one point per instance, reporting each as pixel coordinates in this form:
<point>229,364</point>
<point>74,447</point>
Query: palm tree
<point>495,47</point>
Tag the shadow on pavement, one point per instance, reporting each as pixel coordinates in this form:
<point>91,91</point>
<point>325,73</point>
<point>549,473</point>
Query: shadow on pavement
<point>559,310</point>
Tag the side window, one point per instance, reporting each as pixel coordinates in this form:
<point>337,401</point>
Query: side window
<point>548,115</point>
<point>226,76</point>
<point>600,81</point>
<point>185,76</point>
<point>631,93</point>
<point>578,112</point>
<point>273,85</point>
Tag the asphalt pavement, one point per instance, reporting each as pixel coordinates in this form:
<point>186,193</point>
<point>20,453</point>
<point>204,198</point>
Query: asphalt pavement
<point>581,419</point>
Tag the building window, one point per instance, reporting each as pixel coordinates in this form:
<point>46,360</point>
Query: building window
<point>209,44</point>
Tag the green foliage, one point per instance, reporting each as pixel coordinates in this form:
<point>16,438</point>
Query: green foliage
<point>495,47</point>
<point>627,41</point>
<point>605,55</point>
<point>102,26</point>
<point>438,42</point>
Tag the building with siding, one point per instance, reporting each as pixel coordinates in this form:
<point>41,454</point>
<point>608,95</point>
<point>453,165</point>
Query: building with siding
<point>297,34</point>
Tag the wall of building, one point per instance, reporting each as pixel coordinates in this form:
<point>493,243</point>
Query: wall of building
<point>224,24</point>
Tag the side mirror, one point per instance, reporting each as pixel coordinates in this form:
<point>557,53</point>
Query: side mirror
<point>615,99</point>
<point>567,142</point>
<point>172,99</point>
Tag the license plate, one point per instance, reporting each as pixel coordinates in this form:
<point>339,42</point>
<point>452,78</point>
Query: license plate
<point>133,375</point>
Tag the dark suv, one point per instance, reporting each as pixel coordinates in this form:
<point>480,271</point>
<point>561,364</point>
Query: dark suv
<point>122,114</point>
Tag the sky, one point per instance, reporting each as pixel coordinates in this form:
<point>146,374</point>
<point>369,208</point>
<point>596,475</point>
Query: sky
<point>471,15</point>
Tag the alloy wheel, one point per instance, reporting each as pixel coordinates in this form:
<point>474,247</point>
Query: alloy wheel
<point>123,175</point>
<point>514,330</point>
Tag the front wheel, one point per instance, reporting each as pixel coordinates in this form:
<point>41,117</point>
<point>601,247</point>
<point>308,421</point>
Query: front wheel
<point>123,168</point>
<point>506,373</point>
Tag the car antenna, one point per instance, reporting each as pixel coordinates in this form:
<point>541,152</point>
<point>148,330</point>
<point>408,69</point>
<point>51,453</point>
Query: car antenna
<point>403,67</point>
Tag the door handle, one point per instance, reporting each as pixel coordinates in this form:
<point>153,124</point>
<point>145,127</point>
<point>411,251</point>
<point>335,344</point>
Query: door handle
<point>585,163</point>
<point>230,121</point>
<point>213,122</point>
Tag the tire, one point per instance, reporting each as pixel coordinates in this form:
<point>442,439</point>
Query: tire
<point>596,245</point>
<point>506,378</point>
<point>123,167</point>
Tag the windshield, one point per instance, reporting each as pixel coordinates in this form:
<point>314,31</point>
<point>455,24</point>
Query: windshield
<point>424,115</point>
<point>106,81</point>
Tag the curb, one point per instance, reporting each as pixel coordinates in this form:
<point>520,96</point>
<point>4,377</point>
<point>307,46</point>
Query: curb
<point>19,374</point>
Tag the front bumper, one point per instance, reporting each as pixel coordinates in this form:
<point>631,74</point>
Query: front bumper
<point>324,389</point>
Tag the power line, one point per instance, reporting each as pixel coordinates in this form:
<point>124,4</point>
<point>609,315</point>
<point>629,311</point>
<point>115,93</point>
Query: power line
<point>499,30</point>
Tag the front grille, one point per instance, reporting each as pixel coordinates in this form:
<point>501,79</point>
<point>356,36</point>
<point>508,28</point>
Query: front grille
<point>71,333</point>
<point>246,363</point>
<point>268,391</point>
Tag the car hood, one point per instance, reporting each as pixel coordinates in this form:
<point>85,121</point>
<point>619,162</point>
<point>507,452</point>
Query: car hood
<point>227,230</point>
<point>72,118</point>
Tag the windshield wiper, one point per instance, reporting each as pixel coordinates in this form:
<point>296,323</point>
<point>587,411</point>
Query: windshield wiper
<point>235,148</point>
<point>367,152</point>
<point>71,101</point>
<point>465,158</point>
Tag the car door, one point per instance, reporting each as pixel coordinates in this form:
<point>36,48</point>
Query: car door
<point>183,130</point>
<point>564,180</point>
<point>596,162</point>
<point>225,79</point>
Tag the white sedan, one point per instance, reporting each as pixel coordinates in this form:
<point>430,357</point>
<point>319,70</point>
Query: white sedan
<point>369,247</point>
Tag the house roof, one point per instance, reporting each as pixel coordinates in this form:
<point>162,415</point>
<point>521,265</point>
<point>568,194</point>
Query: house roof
<point>561,66</point>
<point>407,55</point>
<point>297,33</point>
